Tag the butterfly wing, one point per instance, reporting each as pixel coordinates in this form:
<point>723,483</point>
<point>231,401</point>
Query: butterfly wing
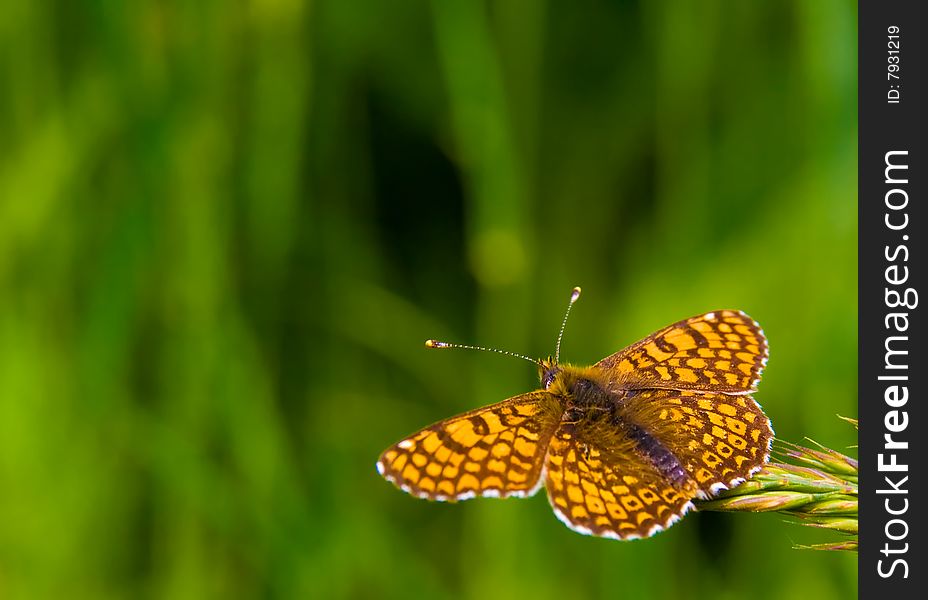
<point>720,351</point>
<point>718,439</point>
<point>496,451</point>
<point>599,484</point>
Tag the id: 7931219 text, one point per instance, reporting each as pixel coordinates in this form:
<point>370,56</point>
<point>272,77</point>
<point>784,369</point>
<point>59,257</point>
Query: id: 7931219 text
<point>893,64</point>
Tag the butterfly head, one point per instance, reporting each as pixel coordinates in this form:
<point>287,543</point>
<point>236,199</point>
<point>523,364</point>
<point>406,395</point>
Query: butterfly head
<point>547,372</point>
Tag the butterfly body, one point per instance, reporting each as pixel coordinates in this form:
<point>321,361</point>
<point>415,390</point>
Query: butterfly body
<point>593,403</point>
<point>622,446</point>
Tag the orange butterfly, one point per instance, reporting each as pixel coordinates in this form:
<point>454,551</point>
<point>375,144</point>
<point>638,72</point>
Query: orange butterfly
<point>622,446</point>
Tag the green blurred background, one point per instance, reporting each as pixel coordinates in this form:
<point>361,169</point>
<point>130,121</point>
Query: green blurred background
<point>227,228</point>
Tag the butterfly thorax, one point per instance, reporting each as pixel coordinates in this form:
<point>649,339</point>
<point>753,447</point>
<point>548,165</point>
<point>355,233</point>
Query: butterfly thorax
<point>581,388</point>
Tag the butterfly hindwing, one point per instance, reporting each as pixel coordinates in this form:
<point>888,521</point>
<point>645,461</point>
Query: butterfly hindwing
<point>599,484</point>
<point>497,450</point>
<point>721,351</point>
<point>719,439</point>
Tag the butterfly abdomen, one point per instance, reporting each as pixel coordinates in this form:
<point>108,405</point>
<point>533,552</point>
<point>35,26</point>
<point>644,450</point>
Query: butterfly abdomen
<point>658,455</point>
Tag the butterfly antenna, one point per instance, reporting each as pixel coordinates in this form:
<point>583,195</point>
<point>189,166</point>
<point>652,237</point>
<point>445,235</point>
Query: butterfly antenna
<point>437,344</point>
<point>557,349</point>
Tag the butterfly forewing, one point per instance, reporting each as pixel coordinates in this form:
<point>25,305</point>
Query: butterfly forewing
<point>719,439</point>
<point>599,485</point>
<point>497,450</point>
<point>721,351</point>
